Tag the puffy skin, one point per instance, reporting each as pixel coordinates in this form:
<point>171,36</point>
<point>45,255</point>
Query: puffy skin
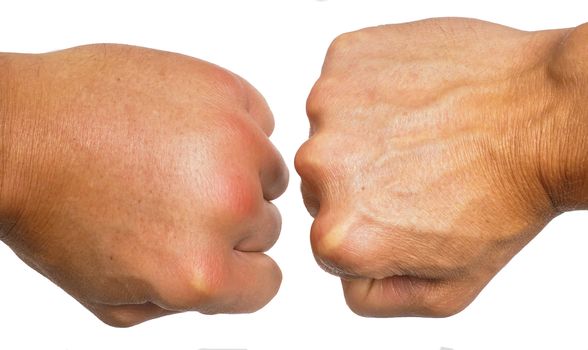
<point>140,181</point>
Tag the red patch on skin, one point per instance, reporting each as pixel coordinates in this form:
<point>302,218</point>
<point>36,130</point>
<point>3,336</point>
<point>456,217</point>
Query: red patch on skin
<point>238,196</point>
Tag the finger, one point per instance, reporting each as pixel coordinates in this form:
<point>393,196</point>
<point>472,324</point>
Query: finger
<point>263,232</point>
<point>257,107</point>
<point>310,198</point>
<point>405,296</point>
<point>220,280</point>
<point>126,315</point>
<point>346,244</point>
<point>315,164</point>
<point>348,241</point>
<point>274,175</point>
<point>250,281</point>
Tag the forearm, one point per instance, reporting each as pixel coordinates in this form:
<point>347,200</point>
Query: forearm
<point>11,195</point>
<point>4,103</point>
<point>566,155</point>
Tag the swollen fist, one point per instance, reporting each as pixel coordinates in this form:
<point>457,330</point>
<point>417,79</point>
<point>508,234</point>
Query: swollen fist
<point>140,181</point>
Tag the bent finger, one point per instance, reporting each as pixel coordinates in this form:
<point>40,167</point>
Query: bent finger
<point>251,281</point>
<point>274,175</point>
<point>405,296</point>
<point>263,232</point>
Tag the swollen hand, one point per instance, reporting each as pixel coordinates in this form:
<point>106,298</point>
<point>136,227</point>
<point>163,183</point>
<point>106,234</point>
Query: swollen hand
<point>140,181</point>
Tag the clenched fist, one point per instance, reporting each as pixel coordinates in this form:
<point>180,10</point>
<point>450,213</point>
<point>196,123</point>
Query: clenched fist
<point>139,181</point>
<point>438,149</point>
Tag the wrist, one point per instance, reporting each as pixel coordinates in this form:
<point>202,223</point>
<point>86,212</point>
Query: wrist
<point>565,154</point>
<point>11,194</point>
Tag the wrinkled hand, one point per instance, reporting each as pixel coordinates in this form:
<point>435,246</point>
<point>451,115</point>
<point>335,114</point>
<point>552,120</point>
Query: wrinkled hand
<point>431,159</point>
<point>140,181</point>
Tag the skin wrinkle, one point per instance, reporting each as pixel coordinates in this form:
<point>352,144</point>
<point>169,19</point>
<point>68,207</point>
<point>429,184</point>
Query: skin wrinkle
<point>448,186</point>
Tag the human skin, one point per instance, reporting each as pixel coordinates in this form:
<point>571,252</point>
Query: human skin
<point>139,181</point>
<point>438,150</point>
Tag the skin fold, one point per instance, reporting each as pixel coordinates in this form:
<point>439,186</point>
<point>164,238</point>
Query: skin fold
<point>139,181</point>
<point>438,150</point>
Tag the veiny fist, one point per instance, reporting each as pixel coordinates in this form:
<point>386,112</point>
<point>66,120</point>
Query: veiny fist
<point>434,157</point>
<point>140,181</point>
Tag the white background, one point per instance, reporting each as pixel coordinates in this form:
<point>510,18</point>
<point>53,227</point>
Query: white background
<point>537,302</point>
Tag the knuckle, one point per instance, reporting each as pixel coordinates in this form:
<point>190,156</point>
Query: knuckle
<point>205,286</point>
<point>321,98</point>
<point>313,159</point>
<point>342,43</point>
<point>305,157</point>
<point>227,83</point>
<point>195,287</point>
<point>336,252</point>
<point>348,43</point>
<point>314,103</point>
